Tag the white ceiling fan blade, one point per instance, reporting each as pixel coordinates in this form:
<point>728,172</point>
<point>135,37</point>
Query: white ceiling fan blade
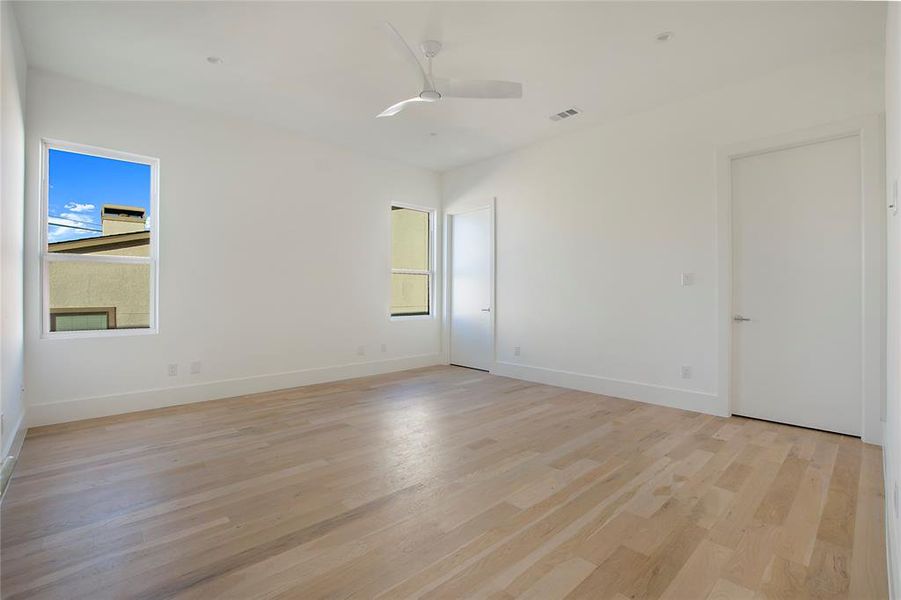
<point>396,108</point>
<point>474,88</point>
<point>408,53</point>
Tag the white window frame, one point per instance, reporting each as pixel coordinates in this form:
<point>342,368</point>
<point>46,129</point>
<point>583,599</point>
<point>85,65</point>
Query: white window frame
<point>431,270</point>
<point>47,257</point>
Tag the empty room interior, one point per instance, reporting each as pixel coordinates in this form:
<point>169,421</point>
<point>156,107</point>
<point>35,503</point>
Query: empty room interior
<point>450,300</point>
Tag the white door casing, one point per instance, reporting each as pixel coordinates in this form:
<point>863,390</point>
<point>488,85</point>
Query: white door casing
<point>869,131</point>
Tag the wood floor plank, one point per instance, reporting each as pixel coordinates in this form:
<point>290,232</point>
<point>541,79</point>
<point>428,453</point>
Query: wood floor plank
<point>700,572</point>
<point>838,519</point>
<point>797,535</point>
<point>868,556</point>
<point>778,500</point>
<point>752,554</point>
<point>784,580</point>
<point>726,590</point>
<point>441,483</point>
<point>829,576</point>
<point>620,569</point>
<point>560,581</point>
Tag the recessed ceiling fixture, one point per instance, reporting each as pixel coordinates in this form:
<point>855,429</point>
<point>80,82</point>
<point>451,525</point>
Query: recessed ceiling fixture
<point>664,36</point>
<point>214,60</point>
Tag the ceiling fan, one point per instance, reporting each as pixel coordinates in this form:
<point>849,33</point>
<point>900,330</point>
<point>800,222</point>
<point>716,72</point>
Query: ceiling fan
<point>433,89</point>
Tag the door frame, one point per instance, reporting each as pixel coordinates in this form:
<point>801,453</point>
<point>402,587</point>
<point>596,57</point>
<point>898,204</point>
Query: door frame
<point>870,132</point>
<point>447,271</point>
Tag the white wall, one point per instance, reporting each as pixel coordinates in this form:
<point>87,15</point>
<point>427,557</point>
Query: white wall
<point>274,259</point>
<point>892,451</point>
<point>12,173</point>
<point>595,228</point>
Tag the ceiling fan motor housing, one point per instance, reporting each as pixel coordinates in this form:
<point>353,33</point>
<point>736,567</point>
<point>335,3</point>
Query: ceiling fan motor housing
<point>430,48</point>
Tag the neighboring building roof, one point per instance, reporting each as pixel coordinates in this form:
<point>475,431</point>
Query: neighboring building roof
<point>102,243</point>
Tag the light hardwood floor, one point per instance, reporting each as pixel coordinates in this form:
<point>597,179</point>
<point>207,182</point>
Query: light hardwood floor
<point>441,483</point>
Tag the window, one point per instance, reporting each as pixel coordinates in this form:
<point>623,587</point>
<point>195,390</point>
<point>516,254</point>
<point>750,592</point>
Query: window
<point>99,241</point>
<point>82,319</point>
<point>411,261</point>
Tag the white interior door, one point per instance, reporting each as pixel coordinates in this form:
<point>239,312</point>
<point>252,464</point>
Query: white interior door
<point>470,293</point>
<point>797,279</point>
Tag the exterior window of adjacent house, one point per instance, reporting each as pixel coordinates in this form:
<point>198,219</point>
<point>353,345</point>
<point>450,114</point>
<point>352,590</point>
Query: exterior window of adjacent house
<point>100,249</point>
<point>412,262</point>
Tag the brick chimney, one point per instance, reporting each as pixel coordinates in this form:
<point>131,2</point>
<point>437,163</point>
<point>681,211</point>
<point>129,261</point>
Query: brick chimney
<point>122,219</point>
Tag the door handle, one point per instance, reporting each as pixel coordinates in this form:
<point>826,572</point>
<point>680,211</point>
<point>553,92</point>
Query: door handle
<point>740,318</point>
<point>486,310</point>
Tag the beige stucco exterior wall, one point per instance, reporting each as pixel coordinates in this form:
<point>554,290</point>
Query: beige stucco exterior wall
<point>100,285</point>
<point>124,287</point>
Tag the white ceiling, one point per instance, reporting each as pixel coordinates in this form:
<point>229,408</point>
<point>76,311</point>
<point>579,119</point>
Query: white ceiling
<point>326,69</point>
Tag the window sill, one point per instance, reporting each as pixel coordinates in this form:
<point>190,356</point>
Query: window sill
<point>101,333</point>
<point>411,317</point>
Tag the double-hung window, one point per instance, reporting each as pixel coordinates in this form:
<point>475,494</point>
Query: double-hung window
<point>99,241</point>
<point>412,261</point>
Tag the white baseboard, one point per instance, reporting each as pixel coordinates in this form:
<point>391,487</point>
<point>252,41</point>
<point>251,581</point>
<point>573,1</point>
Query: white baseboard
<point>9,457</point>
<point>630,390</point>
<point>891,526</point>
<point>114,404</point>
<point>873,436</point>
<point>18,435</point>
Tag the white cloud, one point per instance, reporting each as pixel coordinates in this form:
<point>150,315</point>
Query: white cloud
<point>76,217</point>
<point>60,234</point>
<point>77,207</point>
<point>55,233</point>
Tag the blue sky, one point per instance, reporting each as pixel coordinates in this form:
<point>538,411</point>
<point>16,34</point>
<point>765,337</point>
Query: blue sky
<point>80,185</point>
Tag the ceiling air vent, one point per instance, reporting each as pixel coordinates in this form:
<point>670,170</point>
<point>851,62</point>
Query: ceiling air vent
<point>569,112</point>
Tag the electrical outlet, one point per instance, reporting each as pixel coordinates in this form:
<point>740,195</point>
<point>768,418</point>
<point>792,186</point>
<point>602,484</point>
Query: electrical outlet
<point>384,348</point>
<point>686,372</point>
<point>195,367</point>
<point>173,369</point>
<point>516,351</point>
<point>688,279</point>
<point>361,350</point>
